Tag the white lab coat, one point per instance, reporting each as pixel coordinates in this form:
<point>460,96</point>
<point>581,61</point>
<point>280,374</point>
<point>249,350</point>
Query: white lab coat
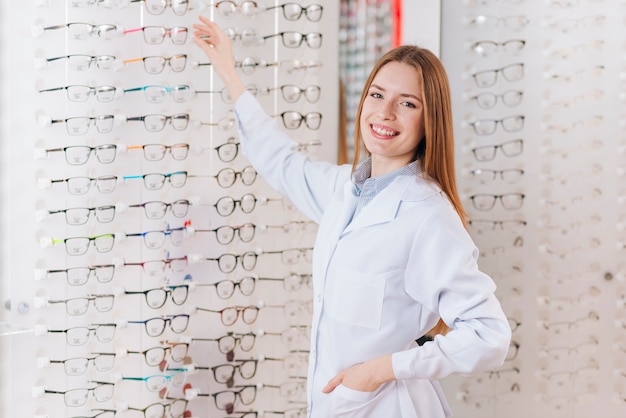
<point>382,280</point>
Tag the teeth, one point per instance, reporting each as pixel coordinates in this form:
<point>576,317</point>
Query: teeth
<point>381,131</point>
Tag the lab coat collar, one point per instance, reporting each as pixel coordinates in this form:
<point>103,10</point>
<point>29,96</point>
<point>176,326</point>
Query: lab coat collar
<point>384,207</point>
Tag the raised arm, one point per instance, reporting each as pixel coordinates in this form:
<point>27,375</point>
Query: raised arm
<point>218,48</point>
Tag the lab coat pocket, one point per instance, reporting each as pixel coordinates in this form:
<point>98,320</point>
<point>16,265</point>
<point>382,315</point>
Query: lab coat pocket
<point>357,299</point>
<point>351,403</point>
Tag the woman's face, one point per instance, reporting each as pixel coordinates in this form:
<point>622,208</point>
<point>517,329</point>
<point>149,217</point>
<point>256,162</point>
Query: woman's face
<point>392,117</point>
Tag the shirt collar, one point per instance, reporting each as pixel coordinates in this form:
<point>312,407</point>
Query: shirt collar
<point>363,172</point>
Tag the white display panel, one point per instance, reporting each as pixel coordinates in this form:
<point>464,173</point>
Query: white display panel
<point>43,309</point>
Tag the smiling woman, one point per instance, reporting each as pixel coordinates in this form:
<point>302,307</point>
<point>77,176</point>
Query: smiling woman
<point>399,208</point>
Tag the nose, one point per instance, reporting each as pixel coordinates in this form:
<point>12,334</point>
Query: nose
<point>386,111</point>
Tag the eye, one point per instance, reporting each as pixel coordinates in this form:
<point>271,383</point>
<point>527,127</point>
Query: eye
<point>409,104</point>
<point>376,95</point>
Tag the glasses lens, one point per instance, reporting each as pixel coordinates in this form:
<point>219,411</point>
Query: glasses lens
<point>76,366</point>
<point>105,333</point>
<point>179,351</point>
<point>179,7</point>
<point>225,206</point>
<point>248,175</point>
<point>179,323</point>
<point>154,35</point>
<point>154,356</point>
<point>228,152</point>
<point>154,65</point>
<point>247,203</point>
<point>77,216</point>
<point>179,151</point>
<point>104,243</point>
<point>155,94</point>
<point>178,63</point>
<point>154,152</point>
<point>180,208</point>
<point>178,179</point>
<point>154,181</point>
<point>104,303</point>
<point>155,7</point>
<point>104,274</point>
<point>77,93</point>
<point>180,121</point>
<point>155,209</point>
<point>180,93</point>
<point>155,298</point>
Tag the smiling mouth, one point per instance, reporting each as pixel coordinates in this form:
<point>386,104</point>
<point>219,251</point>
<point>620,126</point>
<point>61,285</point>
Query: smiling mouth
<point>384,132</point>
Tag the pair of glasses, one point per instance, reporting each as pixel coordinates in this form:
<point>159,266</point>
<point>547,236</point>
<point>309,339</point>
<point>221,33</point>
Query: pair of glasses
<point>509,98</point>
<point>488,126</point>
<point>82,185</point>
<point>293,119</point>
<point>509,149</point>
<point>155,35</point>
<point>156,209</point>
<point>102,392</point>
<point>79,306</point>
<point>174,409</point>
<point>79,154</point>
<point>83,62</point>
<point>293,39</point>
<point>80,125</point>
<point>156,326</point>
<point>157,94</point>
<point>489,48</point>
<point>156,239</point>
<point>293,255</point>
<point>155,64</point>
<point>292,93</point>
<point>228,262</point>
<point>158,382</point>
<point>293,282</point>
<point>228,9</point>
<point>156,122</point>
<point>247,36</point>
<point>75,246</point>
<point>509,201</point>
<point>294,11</point>
<point>82,31</point>
<point>77,366</point>
<point>78,336</point>
<point>226,288</point>
<point>226,205</point>
<point>156,181</point>
<point>157,7</point>
<point>226,176</point>
<point>225,373</point>
<point>488,78</point>
<point>155,356</point>
<point>225,400</point>
<point>80,93</point>
<point>510,175</point>
<point>225,234</point>
<point>226,344</point>
<point>156,267</point>
<point>80,216</point>
<point>229,315</point>
<point>156,152</point>
<point>156,298</point>
<point>78,276</point>
<point>514,22</point>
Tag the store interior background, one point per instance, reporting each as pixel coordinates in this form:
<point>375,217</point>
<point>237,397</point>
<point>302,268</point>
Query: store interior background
<point>558,259</point>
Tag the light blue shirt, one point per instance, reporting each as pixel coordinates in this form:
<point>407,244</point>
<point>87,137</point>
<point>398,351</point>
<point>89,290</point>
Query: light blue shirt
<point>367,187</point>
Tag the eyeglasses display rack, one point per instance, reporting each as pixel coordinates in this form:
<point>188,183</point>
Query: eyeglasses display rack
<point>538,99</point>
<point>147,268</point>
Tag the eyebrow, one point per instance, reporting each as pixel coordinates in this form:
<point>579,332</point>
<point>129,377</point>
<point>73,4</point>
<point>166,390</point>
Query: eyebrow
<point>401,94</point>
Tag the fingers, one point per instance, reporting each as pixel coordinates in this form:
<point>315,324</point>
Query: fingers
<point>332,383</point>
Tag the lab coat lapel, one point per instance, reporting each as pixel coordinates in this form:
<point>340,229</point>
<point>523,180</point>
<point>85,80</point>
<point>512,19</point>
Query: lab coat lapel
<point>385,207</point>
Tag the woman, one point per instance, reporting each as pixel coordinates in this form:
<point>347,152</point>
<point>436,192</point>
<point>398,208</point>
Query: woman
<point>392,254</point>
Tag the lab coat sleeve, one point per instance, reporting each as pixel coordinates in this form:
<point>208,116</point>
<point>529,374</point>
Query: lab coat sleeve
<point>308,184</point>
<point>443,275</point>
